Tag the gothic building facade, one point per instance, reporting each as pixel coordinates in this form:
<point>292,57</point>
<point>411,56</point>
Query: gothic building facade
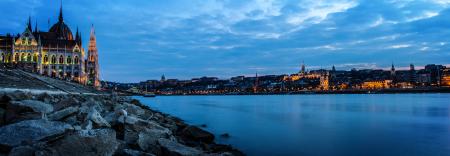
<point>55,53</point>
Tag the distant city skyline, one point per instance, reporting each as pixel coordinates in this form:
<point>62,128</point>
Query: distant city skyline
<point>141,40</point>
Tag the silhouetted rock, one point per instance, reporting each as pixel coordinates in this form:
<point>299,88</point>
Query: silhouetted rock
<point>197,134</point>
<point>30,131</point>
<point>63,113</point>
<point>149,138</point>
<point>66,102</point>
<point>25,110</point>
<point>173,148</point>
<point>85,142</point>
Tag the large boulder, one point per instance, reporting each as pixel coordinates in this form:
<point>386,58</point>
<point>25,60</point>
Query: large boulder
<point>196,134</point>
<point>149,138</point>
<point>30,131</point>
<point>37,106</point>
<point>173,148</point>
<point>85,142</point>
<point>134,110</point>
<point>19,95</point>
<point>97,118</point>
<point>45,97</point>
<point>26,109</point>
<point>68,101</point>
<point>63,113</point>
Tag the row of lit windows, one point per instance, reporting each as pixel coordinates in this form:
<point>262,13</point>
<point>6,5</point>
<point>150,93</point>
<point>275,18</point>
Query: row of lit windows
<point>68,60</point>
<point>28,58</point>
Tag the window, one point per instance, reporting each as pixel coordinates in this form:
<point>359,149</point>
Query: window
<point>16,57</point>
<point>35,58</point>
<point>23,57</point>
<point>29,57</point>
<point>76,61</point>
<point>61,59</point>
<point>45,59</point>
<point>53,59</point>
<point>69,60</point>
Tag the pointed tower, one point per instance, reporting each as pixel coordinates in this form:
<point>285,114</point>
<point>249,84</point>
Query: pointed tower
<point>36,28</point>
<point>60,17</point>
<point>29,24</point>
<point>392,70</point>
<point>78,37</point>
<point>92,68</point>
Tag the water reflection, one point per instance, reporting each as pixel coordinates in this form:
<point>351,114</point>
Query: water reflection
<point>396,124</point>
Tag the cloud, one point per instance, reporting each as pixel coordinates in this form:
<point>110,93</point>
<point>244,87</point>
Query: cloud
<point>194,38</point>
<point>399,46</point>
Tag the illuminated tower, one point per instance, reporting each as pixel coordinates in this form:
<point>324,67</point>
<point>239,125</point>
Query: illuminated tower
<point>92,62</point>
<point>325,81</point>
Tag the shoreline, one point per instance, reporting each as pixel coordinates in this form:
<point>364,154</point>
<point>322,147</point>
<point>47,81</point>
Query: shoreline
<point>382,91</point>
<point>55,124</point>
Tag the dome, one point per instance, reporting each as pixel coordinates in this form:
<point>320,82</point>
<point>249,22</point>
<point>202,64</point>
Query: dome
<point>62,31</point>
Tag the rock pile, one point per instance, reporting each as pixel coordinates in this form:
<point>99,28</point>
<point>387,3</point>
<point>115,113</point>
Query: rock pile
<point>96,125</point>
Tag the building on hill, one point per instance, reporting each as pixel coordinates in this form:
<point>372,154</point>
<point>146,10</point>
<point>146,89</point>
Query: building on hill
<point>55,53</point>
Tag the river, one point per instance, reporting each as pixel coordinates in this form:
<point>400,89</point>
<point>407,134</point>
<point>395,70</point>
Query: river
<point>363,124</point>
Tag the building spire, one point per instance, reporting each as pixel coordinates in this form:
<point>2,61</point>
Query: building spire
<point>29,24</point>
<point>36,27</point>
<point>61,19</point>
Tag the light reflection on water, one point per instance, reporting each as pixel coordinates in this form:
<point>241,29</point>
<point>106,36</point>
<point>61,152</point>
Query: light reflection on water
<point>376,124</point>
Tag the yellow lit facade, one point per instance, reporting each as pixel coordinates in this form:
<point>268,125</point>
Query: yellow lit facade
<point>445,81</point>
<point>382,84</point>
<point>55,53</point>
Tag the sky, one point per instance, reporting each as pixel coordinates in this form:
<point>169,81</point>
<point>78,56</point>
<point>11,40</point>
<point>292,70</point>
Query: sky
<point>144,39</point>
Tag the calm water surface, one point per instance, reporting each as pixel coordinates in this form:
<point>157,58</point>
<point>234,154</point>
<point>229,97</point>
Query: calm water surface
<point>391,124</point>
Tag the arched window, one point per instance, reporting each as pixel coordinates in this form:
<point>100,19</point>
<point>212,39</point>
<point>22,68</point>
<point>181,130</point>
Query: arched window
<point>69,60</point>
<point>53,59</point>
<point>16,57</point>
<point>76,61</point>
<point>45,59</point>
<point>23,57</point>
<point>61,59</point>
<point>29,57</point>
<point>8,58</point>
<point>35,58</point>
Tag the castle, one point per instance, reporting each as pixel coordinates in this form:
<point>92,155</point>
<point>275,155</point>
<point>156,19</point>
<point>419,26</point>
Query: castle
<point>56,53</point>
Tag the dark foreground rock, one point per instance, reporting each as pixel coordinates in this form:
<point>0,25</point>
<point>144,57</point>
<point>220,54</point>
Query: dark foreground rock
<point>67,124</point>
<point>29,132</point>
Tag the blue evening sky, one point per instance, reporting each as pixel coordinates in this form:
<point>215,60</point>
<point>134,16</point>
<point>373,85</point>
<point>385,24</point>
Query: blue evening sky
<point>143,39</point>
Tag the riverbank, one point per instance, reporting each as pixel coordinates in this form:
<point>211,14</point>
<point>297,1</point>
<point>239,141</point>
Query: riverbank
<point>308,92</point>
<point>69,124</point>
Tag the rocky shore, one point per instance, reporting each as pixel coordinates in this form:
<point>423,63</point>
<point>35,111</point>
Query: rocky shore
<point>75,124</point>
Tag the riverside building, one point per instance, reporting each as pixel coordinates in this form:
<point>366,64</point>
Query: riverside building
<point>56,53</point>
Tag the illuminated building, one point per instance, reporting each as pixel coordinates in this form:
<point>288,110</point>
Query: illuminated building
<point>92,62</point>
<point>57,53</point>
<point>445,80</point>
<point>380,84</point>
<point>325,81</point>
